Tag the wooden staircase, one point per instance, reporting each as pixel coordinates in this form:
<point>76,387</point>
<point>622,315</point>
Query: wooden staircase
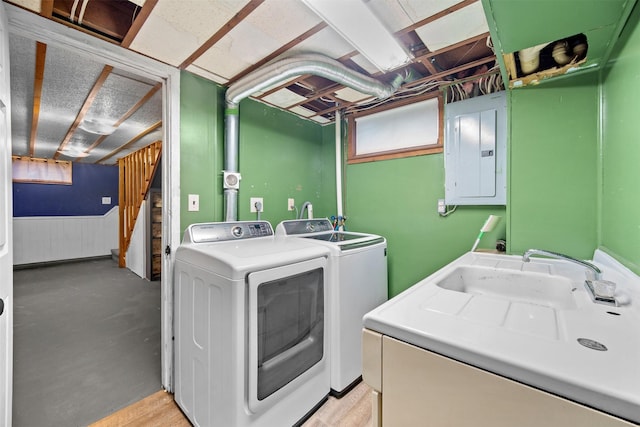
<point>136,173</point>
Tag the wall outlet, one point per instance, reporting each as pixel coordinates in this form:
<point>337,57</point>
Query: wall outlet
<point>194,202</point>
<point>291,204</point>
<point>442,207</point>
<point>253,202</point>
<point>106,200</point>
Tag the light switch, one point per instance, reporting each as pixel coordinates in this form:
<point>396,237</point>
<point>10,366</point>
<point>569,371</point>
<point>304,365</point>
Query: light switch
<point>106,200</point>
<point>194,202</point>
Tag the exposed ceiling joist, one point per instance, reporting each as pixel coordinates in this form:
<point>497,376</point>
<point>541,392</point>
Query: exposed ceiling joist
<point>85,107</point>
<point>139,21</point>
<point>131,142</point>
<point>126,116</point>
<point>230,25</point>
<point>41,55</point>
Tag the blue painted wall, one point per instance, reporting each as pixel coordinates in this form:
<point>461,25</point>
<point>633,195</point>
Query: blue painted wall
<point>84,197</point>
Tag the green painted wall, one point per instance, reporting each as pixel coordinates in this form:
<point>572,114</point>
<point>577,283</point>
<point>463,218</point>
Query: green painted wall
<point>553,167</point>
<point>281,156</point>
<point>201,127</point>
<point>620,219</point>
<point>398,199</point>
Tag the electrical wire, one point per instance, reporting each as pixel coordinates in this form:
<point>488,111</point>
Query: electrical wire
<point>447,213</point>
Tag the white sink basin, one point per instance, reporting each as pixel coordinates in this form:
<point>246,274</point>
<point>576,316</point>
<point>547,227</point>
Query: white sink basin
<point>524,321</point>
<point>516,286</point>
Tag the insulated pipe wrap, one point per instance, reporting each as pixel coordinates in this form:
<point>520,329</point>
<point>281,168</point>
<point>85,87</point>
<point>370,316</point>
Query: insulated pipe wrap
<point>277,72</point>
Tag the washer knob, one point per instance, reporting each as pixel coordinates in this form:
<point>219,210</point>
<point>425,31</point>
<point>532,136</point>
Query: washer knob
<point>237,231</point>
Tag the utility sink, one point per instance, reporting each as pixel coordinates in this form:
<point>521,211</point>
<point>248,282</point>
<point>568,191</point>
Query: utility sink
<point>532,322</point>
<point>516,286</point>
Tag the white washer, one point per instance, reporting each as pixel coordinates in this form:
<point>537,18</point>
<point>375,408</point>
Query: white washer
<point>358,265</point>
<point>251,333</point>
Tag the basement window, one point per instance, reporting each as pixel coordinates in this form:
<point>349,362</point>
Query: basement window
<point>41,171</point>
<point>412,129</point>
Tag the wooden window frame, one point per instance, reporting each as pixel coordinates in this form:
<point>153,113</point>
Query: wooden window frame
<point>421,150</point>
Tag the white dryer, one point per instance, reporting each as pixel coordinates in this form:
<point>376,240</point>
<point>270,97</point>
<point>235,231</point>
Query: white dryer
<point>251,334</point>
<point>358,284</point>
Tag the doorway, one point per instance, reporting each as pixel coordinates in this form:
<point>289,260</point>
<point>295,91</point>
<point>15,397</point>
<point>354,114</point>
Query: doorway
<point>33,27</point>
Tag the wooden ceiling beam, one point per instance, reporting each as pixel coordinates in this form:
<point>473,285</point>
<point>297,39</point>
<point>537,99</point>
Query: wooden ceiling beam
<point>126,115</point>
<point>423,58</point>
<point>302,37</point>
<point>41,56</point>
<point>452,71</point>
<point>226,28</point>
<point>131,141</point>
<point>142,17</point>
<point>85,108</point>
<point>46,8</point>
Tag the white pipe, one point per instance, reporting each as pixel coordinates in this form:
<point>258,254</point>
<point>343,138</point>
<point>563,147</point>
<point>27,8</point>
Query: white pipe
<point>338,165</point>
<point>72,15</point>
<point>82,9</point>
<point>530,58</point>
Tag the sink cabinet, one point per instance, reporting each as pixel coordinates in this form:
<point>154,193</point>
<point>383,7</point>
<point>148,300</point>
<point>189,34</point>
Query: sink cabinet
<point>413,386</point>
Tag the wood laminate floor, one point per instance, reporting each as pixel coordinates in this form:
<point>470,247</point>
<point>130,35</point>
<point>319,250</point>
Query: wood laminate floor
<point>160,410</point>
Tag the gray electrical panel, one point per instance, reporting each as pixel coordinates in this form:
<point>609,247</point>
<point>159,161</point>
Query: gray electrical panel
<point>475,147</point>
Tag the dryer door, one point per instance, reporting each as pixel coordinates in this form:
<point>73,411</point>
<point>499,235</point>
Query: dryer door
<point>287,324</point>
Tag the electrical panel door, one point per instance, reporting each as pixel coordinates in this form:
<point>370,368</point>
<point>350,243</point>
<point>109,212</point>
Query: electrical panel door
<point>475,151</point>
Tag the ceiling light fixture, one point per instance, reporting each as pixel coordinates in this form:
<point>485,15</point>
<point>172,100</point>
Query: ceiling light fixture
<point>357,24</point>
<point>97,126</point>
<point>73,152</point>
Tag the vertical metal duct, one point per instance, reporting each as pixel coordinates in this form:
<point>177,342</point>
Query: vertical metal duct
<point>272,74</point>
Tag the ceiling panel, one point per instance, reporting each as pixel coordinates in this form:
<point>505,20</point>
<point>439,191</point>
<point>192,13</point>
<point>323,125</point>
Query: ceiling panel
<point>257,36</point>
<point>23,61</point>
<point>283,98</point>
<point>326,42</point>
<point>176,29</point>
<point>68,79</point>
<point>455,27</point>
<point>348,94</point>
<point>117,95</point>
<point>417,10</point>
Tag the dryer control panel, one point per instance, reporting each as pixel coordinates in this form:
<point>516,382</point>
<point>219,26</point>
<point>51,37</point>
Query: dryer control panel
<point>224,231</point>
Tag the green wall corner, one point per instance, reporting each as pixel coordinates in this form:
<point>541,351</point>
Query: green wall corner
<point>620,218</point>
<point>553,151</point>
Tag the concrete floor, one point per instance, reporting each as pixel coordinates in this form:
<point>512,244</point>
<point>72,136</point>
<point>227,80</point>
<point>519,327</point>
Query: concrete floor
<point>86,342</point>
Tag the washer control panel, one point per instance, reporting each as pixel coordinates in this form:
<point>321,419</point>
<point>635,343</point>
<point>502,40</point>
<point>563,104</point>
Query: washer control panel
<point>224,231</point>
<point>305,226</point>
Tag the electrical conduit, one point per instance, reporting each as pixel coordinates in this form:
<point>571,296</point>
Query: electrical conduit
<point>277,72</point>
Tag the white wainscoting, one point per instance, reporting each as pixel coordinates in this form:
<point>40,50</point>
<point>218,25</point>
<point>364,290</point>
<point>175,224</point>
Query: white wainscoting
<point>57,238</point>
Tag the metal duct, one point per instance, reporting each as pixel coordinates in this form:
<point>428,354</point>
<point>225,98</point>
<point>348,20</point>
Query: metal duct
<point>272,74</point>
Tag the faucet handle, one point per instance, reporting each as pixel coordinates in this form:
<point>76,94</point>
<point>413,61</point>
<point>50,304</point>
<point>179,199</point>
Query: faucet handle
<point>602,291</point>
<point>604,288</point>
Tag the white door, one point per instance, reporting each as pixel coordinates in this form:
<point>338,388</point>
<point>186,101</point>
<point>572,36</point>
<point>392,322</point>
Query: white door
<point>6,240</point>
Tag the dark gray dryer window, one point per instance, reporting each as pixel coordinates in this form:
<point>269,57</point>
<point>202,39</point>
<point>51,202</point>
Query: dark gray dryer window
<point>290,329</point>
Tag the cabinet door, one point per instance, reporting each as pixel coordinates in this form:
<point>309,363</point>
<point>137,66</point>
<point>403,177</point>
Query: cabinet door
<point>421,388</point>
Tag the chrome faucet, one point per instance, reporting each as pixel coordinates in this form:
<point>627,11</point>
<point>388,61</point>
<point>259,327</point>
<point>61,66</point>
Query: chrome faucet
<point>596,271</point>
